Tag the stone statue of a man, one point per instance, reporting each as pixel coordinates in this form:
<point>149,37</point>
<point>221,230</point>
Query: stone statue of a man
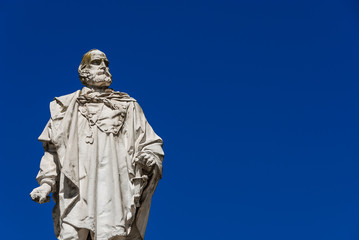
<point>102,160</point>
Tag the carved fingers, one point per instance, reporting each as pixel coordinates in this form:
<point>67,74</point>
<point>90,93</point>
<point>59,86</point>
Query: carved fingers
<point>147,160</point>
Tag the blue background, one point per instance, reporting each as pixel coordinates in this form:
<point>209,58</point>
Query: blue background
<point>257,103</point>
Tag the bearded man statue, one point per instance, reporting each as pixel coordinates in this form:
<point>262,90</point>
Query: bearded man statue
<point>102,160</point>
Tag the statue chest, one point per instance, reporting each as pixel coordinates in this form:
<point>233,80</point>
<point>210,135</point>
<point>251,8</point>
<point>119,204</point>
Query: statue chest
<point>106,116</point>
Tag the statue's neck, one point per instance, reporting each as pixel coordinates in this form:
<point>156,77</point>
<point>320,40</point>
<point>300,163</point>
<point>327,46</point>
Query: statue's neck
<point>97,89</point>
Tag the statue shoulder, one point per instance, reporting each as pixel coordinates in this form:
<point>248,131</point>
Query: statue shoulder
<point>60,104</point>
<point>122,96</point>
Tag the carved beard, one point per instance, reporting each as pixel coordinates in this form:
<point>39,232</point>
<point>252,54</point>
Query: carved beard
<point>98,78</point>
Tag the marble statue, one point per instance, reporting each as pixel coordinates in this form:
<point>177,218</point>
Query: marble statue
<point>102,160</point>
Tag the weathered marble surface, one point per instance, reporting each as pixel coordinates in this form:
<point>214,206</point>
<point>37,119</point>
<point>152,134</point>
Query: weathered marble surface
<point>102,160</point>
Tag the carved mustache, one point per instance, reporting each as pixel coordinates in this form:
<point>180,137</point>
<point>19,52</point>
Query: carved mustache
<point>107,73</point>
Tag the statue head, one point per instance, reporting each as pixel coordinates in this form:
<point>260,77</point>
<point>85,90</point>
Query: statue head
<point>94,71</point>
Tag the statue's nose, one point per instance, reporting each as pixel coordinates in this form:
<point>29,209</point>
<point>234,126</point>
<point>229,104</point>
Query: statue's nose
<point>102,65</point>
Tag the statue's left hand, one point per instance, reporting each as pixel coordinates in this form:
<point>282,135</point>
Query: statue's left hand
<point>147,160</point>
<point>41,194</point>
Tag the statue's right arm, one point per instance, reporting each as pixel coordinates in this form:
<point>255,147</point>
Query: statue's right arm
<point>48,173</point>
<point>48,167</point>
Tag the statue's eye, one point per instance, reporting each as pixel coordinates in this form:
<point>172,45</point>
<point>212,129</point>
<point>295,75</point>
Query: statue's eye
<point>106,63</point>
<point>96,62</point>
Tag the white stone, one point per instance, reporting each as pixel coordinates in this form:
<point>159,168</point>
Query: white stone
<point>102,160</point>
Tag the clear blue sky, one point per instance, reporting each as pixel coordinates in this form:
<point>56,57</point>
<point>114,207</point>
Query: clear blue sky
<point>256,101</point>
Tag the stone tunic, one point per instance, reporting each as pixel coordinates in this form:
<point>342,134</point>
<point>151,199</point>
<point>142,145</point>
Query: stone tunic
<point>95,189</point>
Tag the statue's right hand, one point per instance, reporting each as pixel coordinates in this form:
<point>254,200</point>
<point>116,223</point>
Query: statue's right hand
<point>41,194</point>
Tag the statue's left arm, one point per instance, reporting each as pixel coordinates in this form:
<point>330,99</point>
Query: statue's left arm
<point>147,154</point>
<point>148,145</point>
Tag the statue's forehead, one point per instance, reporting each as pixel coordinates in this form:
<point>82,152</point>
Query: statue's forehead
<point>98,55</point>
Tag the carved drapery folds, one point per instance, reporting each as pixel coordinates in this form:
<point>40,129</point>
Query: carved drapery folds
<point>103,111</point>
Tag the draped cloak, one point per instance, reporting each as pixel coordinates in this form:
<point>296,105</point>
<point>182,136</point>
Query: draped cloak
<point>91,143</point>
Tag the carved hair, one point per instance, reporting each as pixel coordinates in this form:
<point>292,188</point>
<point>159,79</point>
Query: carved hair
<point>83,68</point>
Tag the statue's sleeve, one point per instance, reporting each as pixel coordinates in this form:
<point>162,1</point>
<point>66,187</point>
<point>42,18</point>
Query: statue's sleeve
<point>146,140</point>
<point>49,162</point>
